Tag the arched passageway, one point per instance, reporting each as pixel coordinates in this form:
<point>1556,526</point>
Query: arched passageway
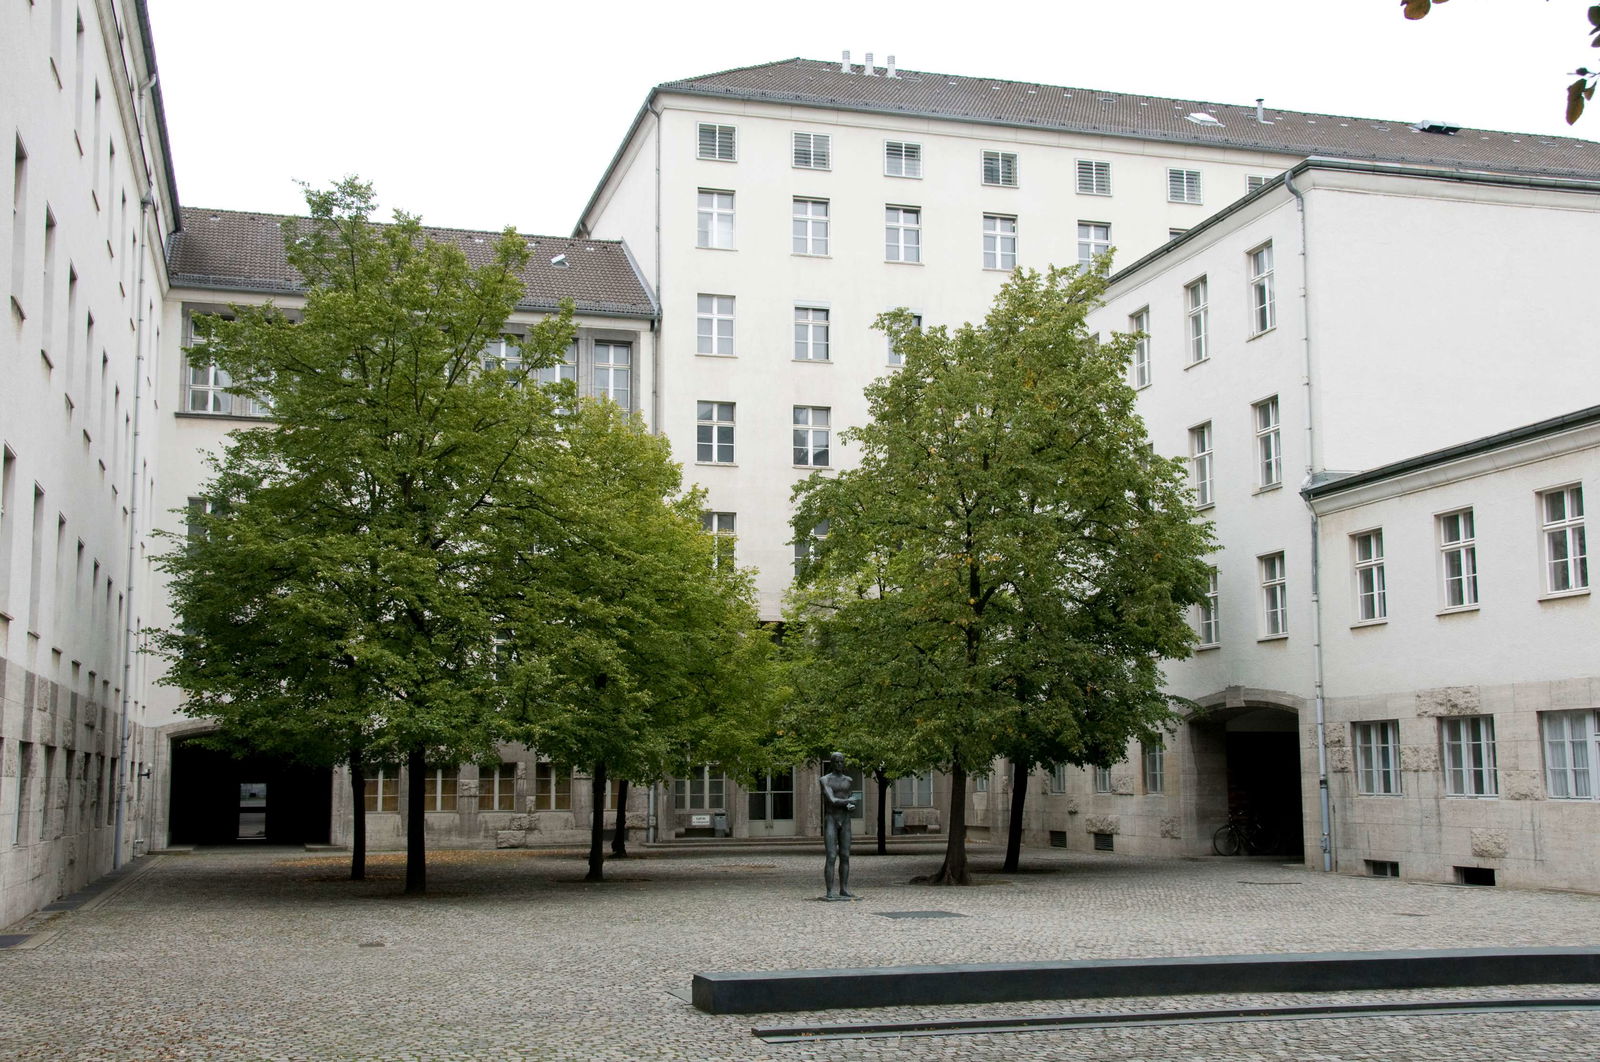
<point>1247,763</point>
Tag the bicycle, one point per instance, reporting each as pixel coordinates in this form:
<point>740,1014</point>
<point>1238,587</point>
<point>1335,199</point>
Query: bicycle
<point>1242,833</point>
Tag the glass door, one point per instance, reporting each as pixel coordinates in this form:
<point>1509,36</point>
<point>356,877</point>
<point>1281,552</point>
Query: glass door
<point>772,805</point>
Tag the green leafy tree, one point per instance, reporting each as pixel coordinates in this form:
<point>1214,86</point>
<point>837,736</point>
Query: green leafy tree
<point>1579,92</point>
<point>1006,568</point>
<point>347,593</point>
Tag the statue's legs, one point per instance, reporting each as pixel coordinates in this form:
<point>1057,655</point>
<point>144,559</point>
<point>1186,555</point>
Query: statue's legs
<point>830,845</point>
<point>844,856</point>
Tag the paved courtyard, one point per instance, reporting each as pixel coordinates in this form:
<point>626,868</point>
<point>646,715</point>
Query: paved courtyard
<point>270,954</point>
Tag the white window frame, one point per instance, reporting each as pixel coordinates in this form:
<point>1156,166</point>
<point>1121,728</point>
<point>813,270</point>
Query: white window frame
<point>894,357</point>
<point>714,432</point>
<point>902,158</point>
<point>713,325</point>
<point>1183,186</point>
<point>902,234</point>
<point>1058,778</point>
<point>704,789</point>
<point>433,786</point>
<point>1269,443</point>
<point>1372,593</point>
<point>382,784</point>
<point>809,219</point>
<point>1094,239</point>
<point>1209,627</point>
<point>714,219</point>
<point>813,432</point>
<point>1469,756</point>
<point>999,241</point>
<point>552,788</point>
<point>1197,311</point>
<point>914,791</point>
<point>494,783</point>
<point>1274,595</point>
<point>1139,324</point>
<point>1102,780</point>
<point>1202,464</point>
<point>1263,290</point>
<point>1153,757</point>
<point>805,548</point>
<point>723,527</point>
<point>1000,169</point>
<point>723,143</point>
<point>1571,742</point>
<point>1377,747</point>
<point>811,332</point>
<point>1563,540</point>
<point>811,151</point>
<point>1458,558</point>
<point>612,376</point>
<point>1093,177</point>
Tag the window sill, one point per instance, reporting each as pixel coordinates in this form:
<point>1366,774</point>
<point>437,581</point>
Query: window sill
<point>1263,332</point>
<point>812,361</point>
<point>807,254</point>
<point>725,357</point>
<point>1196,363</point>
<point>1205,507</point>
<point>1472,796</point>
<point>992,184</point>
<point>1382,796</point>
<point>1208,647</point>
<point>1185,202</point>
<point>1273,638</point>
<point>187,414</point>
<point>707,247</point>
<point>1142,386</point>
<point>718,464</point>
<point>1102,195</point>
<point>905,176</point>
<point>709,158</point>
<point>812,169</point>
<point>999,269</point>
<point>812,468</point>
<point>1457,610</point>
<point>1268,489</point>
<point>1563,595</point>
<point>1379,622</point>
<point>901,261</point>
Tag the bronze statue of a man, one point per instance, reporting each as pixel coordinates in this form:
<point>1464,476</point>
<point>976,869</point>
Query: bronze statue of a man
<point>838,791</point>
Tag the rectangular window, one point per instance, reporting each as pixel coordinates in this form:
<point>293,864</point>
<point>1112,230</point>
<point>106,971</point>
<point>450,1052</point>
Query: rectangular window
<point>805,549</point>
<point>439,789</point>
<point>1094,240</point>
<point>902,159</point>
<point>1195,299</point>
<point>497,787</point>
<point>1372,597</point>
<point>1210,626</point>
<point>714,220</point>
<point>902,234</point>
<point>914,792</point>
<point>1000,168</point>
<point>811,436</point>
<point>613,373</point>
<point>1254,181</point>
<point>810,333</point>
<point>895,357</point>
<point>1200,463</point>
<point>1139,324</point>
<point>565,370</point>
<point>1058,778</point>
<point>810,225</point>
<point>714,433</point>
<point>714,325</point>
<point>1269,446</point>
<point>999,242</point>
<point>716,142</point>
<point>702,790</point>
<point>812,151</point>
<point>1458,555</point>
<point>1094,178</point>
<point>1102,779</point>
<point>552,787</point>
<point>1469,760</point>
<point>1571,743</point>
<point>1566,552</point>
<point>1183,186</point>
<point>1263,303</point>
<point>722,527</point>
<point>1378,758</point>
<point>1155,767</point>
<point>1274,596</point>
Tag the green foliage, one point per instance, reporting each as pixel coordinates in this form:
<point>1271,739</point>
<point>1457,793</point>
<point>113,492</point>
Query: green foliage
<point>1010,562</point>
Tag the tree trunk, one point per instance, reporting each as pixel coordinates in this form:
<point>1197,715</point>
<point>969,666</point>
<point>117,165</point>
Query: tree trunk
<point>358,817</point>
<point>1020,771</point>
<point>954,869</point>
<point>883,811</point>
<point>619,832</point>
<point>597,824</point>
<point>416,840</point>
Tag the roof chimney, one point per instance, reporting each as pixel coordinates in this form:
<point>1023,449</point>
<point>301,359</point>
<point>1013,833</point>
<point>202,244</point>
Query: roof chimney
<point>866,66</point>
<point>1261,113</point>
<point>889,69</point>
<point>844,64</point>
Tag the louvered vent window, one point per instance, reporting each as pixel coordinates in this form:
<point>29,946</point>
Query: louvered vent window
<point>1183,186</point>
<point>716,142</point>
<point>1000,167</point>
<point>1094,178</point>
<point>902,159</point>
<point>813,151</point>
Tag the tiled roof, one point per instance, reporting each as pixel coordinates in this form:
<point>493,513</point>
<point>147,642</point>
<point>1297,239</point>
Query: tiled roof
<point>812,83</point>
<point>231,250</point>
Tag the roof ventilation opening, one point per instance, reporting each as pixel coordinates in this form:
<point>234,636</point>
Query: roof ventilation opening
<point>559,261</point>
<point>866,66</point>
<point>888,69</point>
<point>844,64</point>
<point>1261,110</point>
<point>1431,125</point>
<point>1202,118</point>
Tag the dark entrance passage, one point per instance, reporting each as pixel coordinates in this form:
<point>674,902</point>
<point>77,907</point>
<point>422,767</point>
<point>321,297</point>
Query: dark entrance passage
<point>1247,762</point>
<point>221,799</point>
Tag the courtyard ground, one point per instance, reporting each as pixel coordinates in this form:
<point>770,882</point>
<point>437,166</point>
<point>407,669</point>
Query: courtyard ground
<point>271,954</point>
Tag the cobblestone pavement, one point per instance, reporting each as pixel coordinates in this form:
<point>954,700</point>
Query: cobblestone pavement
<point>272,955</point>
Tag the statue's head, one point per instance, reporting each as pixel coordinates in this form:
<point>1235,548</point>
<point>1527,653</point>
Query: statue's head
<point>837,760</point>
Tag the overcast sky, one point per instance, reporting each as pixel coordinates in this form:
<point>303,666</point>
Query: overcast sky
<point>483,113</point>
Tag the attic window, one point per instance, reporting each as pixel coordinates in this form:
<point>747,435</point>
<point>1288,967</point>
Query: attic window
<point>1202,118</point>
<point>1433,125</point>
<point>559,261</point>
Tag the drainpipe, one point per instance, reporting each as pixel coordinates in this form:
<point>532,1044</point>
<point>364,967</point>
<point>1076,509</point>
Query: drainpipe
<point>1324,805</point>
<point>655,326</point>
